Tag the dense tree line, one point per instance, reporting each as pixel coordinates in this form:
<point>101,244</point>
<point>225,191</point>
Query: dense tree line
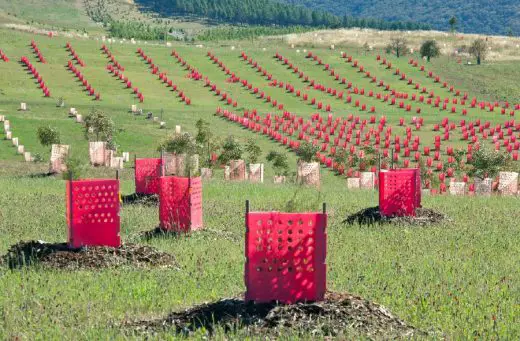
<point>137,30</point>
<point>267,12</point>
<point>476,16</point>
<point>247,32</point>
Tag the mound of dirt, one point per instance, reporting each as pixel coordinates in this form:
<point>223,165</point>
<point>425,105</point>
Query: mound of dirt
<point>60,256</point>
<point>140,199</point>
<point>370,216</point>
<point>337,315</point>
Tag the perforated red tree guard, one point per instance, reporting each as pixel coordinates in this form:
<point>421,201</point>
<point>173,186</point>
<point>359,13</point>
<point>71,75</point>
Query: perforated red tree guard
<point>93,213</point>
<point>180,203</point>
<point>285,256</point>
<point>147,173</point>
<point>399,192</point>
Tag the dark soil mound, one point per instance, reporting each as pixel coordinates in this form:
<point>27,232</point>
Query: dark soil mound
<point>140,199</point>
<point>338,314</point>
<point>370,216</point>
<point>60,256</point>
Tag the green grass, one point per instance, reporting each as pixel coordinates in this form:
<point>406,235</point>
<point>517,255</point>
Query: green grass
<point>491,80</point>
<point>453,278</point>
<point>52,13</point>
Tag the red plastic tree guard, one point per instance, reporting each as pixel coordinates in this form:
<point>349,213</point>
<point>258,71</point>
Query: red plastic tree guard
<point>147,173</point>
<point>285,256</point>
<point>93,213</point>
<point>180,203</point>
<point>399,192</point>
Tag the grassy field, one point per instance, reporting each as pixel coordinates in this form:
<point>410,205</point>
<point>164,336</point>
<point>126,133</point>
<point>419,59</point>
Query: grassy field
<point>52,13</point>
<point>492,80</point>
<point>457,279</point>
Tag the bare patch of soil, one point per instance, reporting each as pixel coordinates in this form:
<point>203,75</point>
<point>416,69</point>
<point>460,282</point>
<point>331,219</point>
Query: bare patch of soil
<point>371,216</point>
<point>60,256</point>
<point>339,314</point>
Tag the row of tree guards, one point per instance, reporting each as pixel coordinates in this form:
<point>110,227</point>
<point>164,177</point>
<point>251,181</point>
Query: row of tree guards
<point>117,70</point>
<point>511,148</point>
<point>37,52</point>
<point>474,101</point>
<point>284,129</point>
<point>81,77</point>
<point>154,69</point>
<point>74,55</point>
<point>36,75</point>
<point>93,205</point>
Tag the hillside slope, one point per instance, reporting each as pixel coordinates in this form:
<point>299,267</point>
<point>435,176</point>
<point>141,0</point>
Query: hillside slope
<point>476,16</point>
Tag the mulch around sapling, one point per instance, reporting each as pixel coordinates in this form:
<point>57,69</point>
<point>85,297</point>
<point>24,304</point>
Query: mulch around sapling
<point>338,315</point>
<point>60,256</point>
<point>140,199</point>
<point>371,216</point>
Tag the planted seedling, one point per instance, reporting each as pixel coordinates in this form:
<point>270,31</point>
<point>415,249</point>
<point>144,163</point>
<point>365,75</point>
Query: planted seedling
<point>253,150</point>
<point>231,150</point>
<point>279,162</point>
<point>307,152</point>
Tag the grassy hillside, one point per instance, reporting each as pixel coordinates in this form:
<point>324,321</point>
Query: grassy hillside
<point>53,13</point>
<point>116,100</point>
<point>478,16</point>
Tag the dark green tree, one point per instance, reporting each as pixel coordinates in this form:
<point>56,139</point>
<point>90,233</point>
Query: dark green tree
<point>48,136</point>
<point>99,126</point>
<point>479,49</point>
<point>453,23</point>
<point>430,49</point>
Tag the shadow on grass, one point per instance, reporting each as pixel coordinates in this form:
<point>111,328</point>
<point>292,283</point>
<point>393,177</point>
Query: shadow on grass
<point>41,175</point>
<point>140,199</point>
<point>371,216</point>
<point>158,232</point>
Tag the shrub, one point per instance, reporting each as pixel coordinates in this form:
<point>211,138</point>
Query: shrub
<point>353,161</point>
<point>231,150</point>
<point>307,152</point>
<point>204,134</point>
<point>487,163</point>
<point>279,162</point>
<point>341,157</point>
<point>112,145</point>
<point>430,49</point>
<point>179,144</point>
<point>37,157</point>
<point>99,126</point>
<point>48,136</point>
<point>459,155</point>
<point>75,168</point>
<point>371,157</point>
<point>206,142</point>
<point>253,151</point>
